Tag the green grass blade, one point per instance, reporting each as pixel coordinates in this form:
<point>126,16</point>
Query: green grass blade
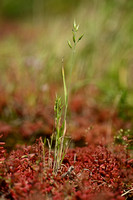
<point>64,84</point>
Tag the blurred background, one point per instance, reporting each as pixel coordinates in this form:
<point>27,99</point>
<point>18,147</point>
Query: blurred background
<point>33,41</point>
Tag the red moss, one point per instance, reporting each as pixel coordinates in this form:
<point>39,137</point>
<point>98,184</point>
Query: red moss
<point>97,174</point>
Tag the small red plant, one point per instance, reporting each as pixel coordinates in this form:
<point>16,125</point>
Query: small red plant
<point>91,172</point>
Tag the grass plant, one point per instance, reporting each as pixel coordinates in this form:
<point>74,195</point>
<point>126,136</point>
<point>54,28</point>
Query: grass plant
<point>60,143</point>
<point>59,136</point>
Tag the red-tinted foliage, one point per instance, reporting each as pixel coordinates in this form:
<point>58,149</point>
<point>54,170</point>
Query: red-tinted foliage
<point>2,151</point>
<point>5,129</point>
<point>97,174</point>
<point>87,121</point>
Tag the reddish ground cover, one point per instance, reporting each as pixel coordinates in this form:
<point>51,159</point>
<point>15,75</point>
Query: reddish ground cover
<point>95,169</point>
<point>87,122</point>
<point>97,173</point>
